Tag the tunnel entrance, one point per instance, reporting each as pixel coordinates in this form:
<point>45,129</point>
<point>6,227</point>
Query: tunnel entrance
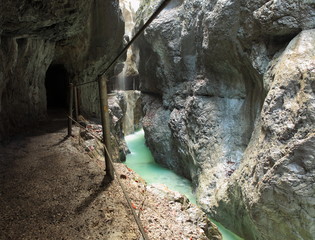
<point>56,83</point>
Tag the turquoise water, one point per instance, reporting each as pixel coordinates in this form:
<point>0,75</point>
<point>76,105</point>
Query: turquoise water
<point>141,161</point>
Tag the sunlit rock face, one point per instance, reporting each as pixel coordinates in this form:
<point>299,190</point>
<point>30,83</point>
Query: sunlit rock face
<point>209,92</point>
<point>126,115</point>
<point>206,68</point>
<point>127,77</point>
<point>275,182</point>
<point>82,36</point>
<point>133,114</point>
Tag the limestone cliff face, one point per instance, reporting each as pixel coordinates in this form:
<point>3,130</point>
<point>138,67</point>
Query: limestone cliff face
<point>80,35</point>
<point>274,188</point>
<point>206,68</point>
<point>126,114</point>
<point>127,79</point>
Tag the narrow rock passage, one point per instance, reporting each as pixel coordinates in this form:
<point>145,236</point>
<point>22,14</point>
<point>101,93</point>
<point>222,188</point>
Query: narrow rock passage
<point>50,190</point>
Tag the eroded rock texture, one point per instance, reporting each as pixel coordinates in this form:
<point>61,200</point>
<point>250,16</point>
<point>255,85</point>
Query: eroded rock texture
<point>81,36</point>
<point>126,115</point>
<point>275,183</point>
<point>22,82</point>
<point>206,68</point>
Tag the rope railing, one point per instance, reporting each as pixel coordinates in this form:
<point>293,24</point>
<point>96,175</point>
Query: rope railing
<point>141,30</point>
<point>73,94</point>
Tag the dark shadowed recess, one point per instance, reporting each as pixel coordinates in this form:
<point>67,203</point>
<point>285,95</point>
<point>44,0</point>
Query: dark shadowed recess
<point>56,83</point>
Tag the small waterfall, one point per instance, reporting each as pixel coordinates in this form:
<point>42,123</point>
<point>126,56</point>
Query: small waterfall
<point>130,69</point>
<point>122,78</point>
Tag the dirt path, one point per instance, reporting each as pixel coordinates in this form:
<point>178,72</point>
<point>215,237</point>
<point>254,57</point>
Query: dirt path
<point>51,189</point>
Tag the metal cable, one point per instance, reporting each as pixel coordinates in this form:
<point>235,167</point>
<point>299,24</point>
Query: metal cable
<point>153,16</point>
<point>138,221</point>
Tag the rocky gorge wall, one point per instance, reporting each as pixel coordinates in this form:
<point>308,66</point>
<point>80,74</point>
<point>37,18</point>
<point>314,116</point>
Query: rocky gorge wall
<point>228,95</point>
<point>273,189</point>
<point>82,36</point>
<point>229,103</point>
<point>126,117</point>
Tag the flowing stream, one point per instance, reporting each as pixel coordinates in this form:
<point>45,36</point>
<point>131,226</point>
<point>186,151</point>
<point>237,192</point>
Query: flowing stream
<point>141,161</point>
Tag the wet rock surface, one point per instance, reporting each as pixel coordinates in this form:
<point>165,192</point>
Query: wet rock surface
<point>126,117</point>
<point>53,20</point>
<point>132,120</point>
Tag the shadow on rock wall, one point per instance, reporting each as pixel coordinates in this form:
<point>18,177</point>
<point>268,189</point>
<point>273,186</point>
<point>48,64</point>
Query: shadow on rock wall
<point>205,69</point>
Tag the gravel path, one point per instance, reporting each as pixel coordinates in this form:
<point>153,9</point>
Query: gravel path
<point>51,189</point>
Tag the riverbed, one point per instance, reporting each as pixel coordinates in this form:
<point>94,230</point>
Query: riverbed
<point>142,162</point>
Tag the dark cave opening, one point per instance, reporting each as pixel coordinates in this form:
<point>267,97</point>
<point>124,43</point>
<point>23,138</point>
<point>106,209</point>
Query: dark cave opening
<point>56,83</point>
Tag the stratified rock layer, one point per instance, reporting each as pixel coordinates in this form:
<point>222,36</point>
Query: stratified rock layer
<point>206,69</point>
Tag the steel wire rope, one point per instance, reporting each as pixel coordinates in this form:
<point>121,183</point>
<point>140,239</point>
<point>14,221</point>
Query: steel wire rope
<point>137,219</point>
<point>161,6</point>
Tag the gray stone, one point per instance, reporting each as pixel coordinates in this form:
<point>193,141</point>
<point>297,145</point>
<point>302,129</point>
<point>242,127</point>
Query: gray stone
<point>286,17</point>
<point>274,187</point>
<point>22,88</point>
<point>210,93</point>
<point>126,115</point>
<point>206,68</point>
<point>36,34</point>
<point>50,20</point>
<point>133,114</point>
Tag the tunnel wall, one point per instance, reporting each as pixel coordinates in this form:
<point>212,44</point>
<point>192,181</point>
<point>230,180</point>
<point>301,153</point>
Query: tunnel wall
<point>32,37</point>
<point>22,89</point>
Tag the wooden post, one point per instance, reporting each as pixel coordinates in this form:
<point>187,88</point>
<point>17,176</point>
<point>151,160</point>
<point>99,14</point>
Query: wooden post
<point>70,109</point>
<point>106,126</point>
<point>76,106</point>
